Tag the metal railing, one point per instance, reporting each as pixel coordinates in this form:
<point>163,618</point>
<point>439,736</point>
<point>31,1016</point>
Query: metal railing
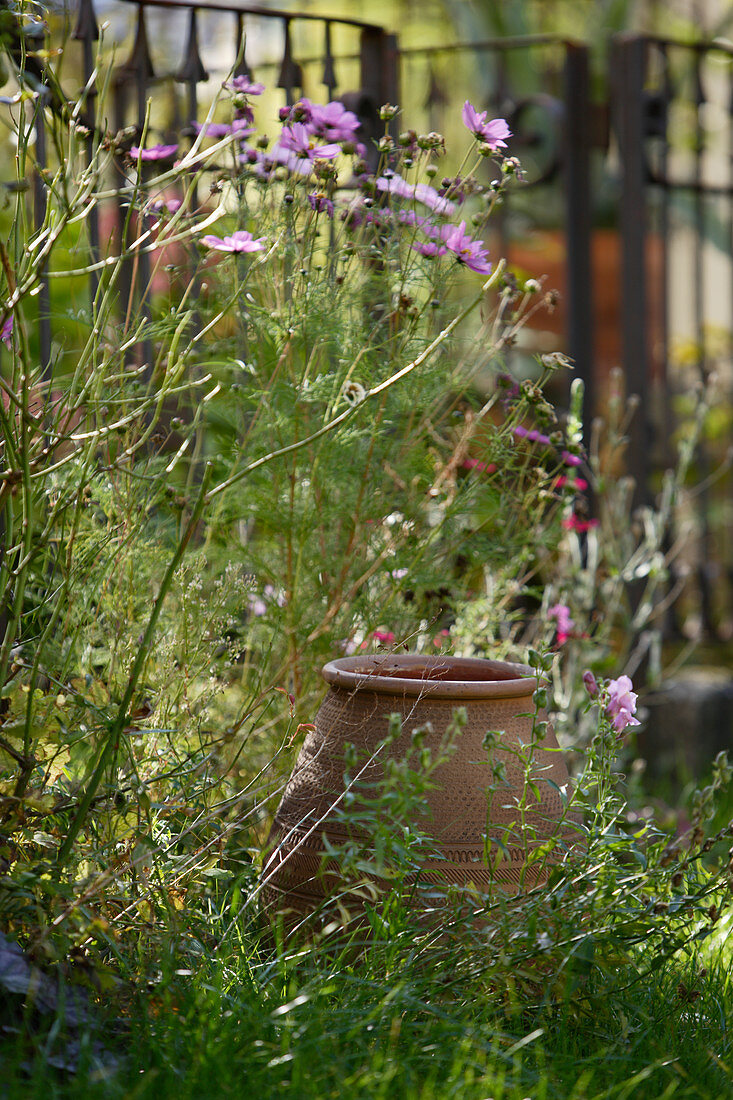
<point>663,191</point>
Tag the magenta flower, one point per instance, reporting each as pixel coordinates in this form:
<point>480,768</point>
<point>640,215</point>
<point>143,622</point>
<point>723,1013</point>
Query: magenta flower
<point>298,139</point>
<point>6,332</point>
<point>245,86</point>
<point>621,705</point>
<point>240,241</point>
<point>591,684</point>
<point>476,464</point>
<point>465,249</point>
<point>386,637</point>
<point>494,132</point>
<point>155,152</point>
<point>575,523</point>
<point>579,484</point>
<point>531,434</point>
<point>561,613</point>
<point>571,459</point>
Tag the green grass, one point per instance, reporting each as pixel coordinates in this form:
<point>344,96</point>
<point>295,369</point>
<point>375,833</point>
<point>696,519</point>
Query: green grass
<point>404,1014</point>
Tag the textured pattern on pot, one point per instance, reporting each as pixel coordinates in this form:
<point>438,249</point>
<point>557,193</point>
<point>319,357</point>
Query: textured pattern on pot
<point>519,807</point>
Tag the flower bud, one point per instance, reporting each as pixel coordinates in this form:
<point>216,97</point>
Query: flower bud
<point>591,684</point>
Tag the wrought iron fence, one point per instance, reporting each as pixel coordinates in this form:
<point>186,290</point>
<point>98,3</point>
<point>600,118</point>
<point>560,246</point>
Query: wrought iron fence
<point>668,152</point>
<point>673,105</point>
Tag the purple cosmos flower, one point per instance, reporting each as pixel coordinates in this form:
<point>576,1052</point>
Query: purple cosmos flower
<point>302,111</point>
<point>245,86</point>
<point>169,205</point>
<point>429,197</point>
<point>320,204</point>
<point>430,248</point>
<point>621,705</point>
<point>265,163</point>
<point>299,140</point>
<point>393,184</point>
<point>6,332</point>
<point>560,612</point>
<point>531,434</point>
<point>493,132</point>
<point>333,122</point>
<point>409,217</point>
<point>465,249</point>
<point>155,152</point>
<point>239,127</point>
<point>240,241</point>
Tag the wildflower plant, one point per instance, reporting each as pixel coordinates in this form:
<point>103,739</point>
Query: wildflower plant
<point>267,438</point>
<point>261,443</point>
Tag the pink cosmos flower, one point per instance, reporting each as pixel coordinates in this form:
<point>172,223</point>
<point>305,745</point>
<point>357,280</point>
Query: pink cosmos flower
<point>171,205</point>
<point>561,613</point>
<point>394,184</point>
<point>429,197</point>
<point>621,705</point>
<point>493,132</point>
<point>386,637</point>
<point>240,241</point>
<point>333,122</point>
<point>298,139</point>
<point>419,221</point>
<point>245,86</point>
<point>6,333</point>
<point>155,152</point>
<point>256,605</point>
<point>429,248</point>
<point>239,127</point>
<point>465,249</point>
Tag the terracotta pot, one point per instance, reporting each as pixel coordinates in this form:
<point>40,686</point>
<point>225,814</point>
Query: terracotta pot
<point>424,691</point>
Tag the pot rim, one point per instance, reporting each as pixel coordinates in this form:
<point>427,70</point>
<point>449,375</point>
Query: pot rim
<point>440,677</point>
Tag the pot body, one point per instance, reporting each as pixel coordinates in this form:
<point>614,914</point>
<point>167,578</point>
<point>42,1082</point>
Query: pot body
<point>508,793</point>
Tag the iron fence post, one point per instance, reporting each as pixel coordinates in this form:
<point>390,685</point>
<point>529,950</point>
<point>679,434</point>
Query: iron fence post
<point>628,57</point>
<point>578,221</point>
